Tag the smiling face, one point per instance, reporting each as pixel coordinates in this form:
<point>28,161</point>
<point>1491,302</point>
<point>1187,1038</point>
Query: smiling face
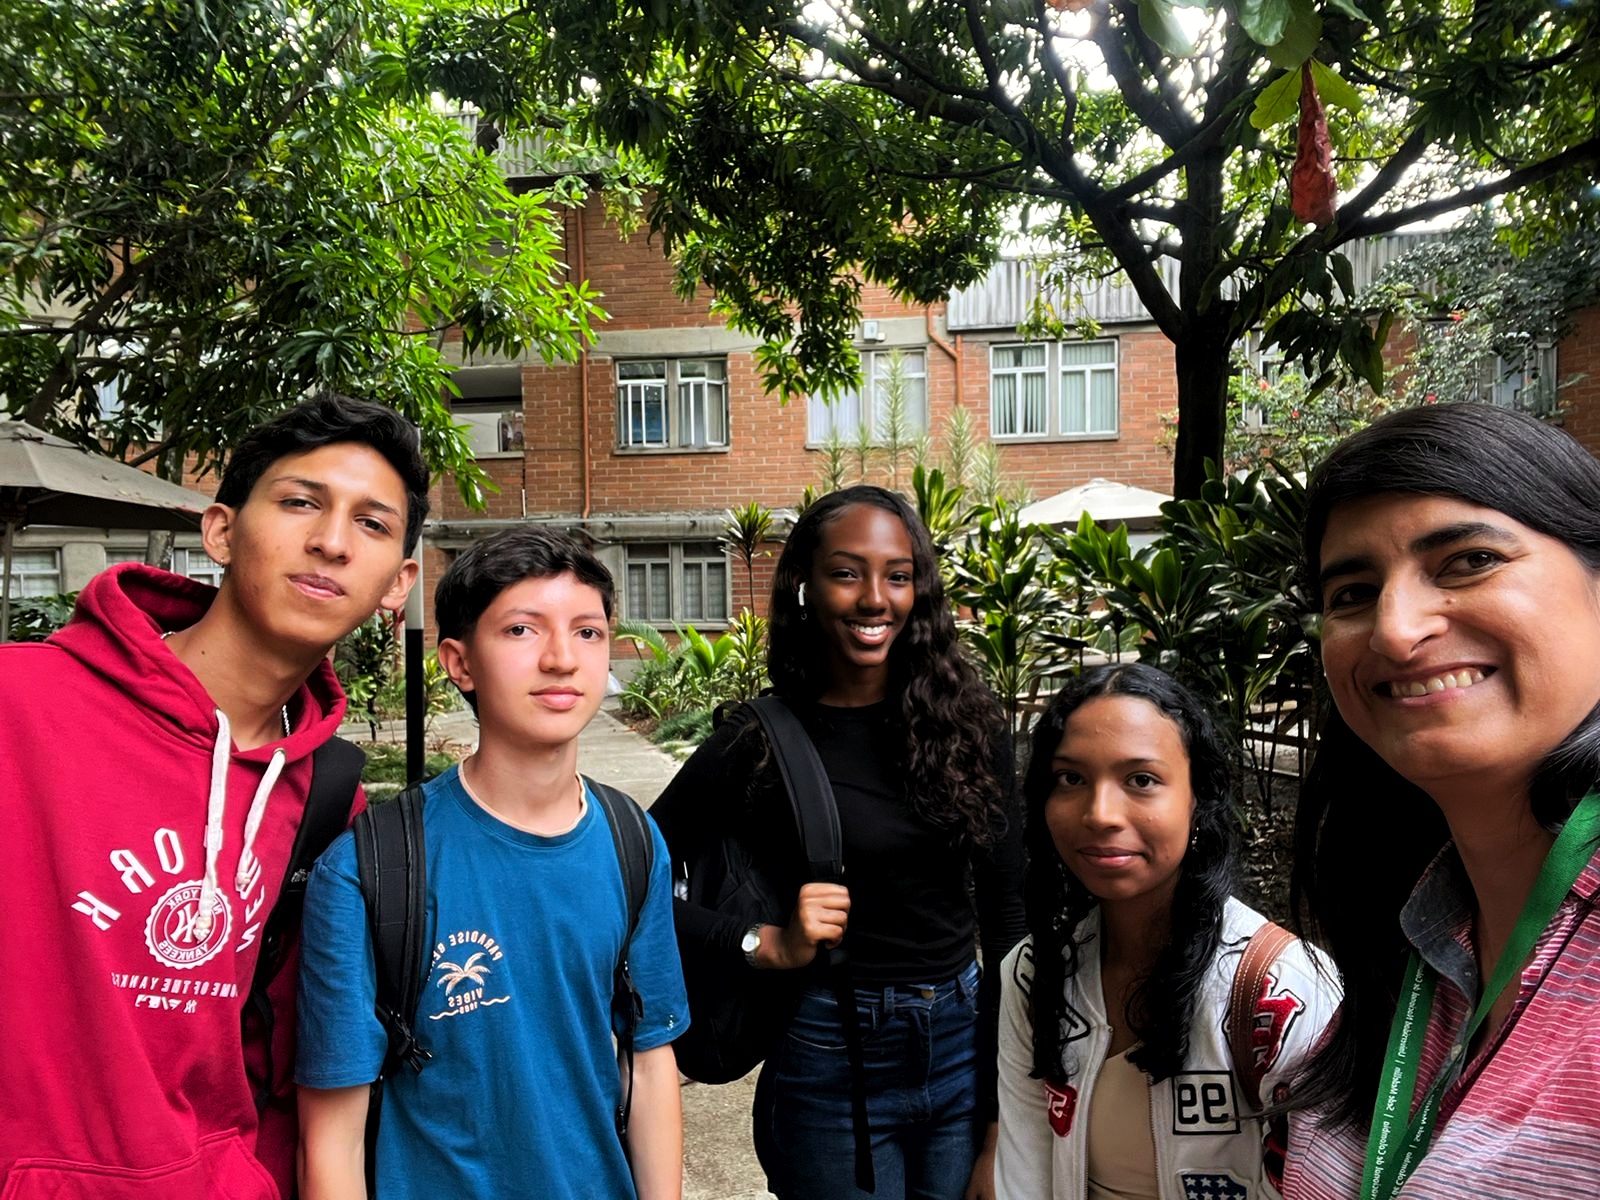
<point>1459,644</point>
<point>859,596</point>
<point>315,549</point>
<point>1122,804</point>
<point>536,661</point>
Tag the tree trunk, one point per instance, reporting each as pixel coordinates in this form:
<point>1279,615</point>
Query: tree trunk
<point>1203,366</point>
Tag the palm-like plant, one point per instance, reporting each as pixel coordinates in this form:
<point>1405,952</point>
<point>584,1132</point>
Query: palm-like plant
<point>746,528</point>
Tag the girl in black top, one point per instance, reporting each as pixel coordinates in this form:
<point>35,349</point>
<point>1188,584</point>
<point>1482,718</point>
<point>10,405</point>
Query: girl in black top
<point>862,645</point>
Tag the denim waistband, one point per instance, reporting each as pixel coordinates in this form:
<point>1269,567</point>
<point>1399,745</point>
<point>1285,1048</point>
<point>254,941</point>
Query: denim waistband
<point>892,995</point>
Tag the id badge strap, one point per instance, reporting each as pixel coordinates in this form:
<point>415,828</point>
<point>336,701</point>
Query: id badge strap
<point>1395,1144</point>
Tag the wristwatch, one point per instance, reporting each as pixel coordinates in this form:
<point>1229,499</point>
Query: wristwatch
<point>750,943</point>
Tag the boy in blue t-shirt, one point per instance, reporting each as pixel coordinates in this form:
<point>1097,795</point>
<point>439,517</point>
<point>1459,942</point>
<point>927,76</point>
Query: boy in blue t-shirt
<point>527,911</point>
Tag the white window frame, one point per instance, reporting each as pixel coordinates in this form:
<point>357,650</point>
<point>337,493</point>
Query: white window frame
<point>196,565</point>
<point>1057,370</point>
<point>35,572</point>
<point>689,396</point>
<point>700,559</point>
<point>1502,382</point>
<point>496,428</point>
<point>1017,374</point>
<point>1268,364</point>
<point>841,416</point>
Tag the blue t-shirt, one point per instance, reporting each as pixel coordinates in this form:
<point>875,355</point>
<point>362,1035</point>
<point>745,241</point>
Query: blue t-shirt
<point>519,1096</point>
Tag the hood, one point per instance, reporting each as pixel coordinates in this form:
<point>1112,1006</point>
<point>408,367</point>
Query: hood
<point>116,631</point>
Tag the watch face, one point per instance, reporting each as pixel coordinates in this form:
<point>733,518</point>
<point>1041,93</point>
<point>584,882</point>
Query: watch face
<point>751,942</point>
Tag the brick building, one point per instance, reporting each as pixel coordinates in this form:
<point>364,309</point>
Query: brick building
<point>663,424</point>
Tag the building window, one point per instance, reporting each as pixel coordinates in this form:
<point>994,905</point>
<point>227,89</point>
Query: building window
<point>1053,389</point>
<point>896,389</point>
<point>667,404</point>
<point>1266,367</point>
<point>649,582</point>
<point>669,582</point>
<point>196,564</point>
<point>493,427</point>
<point>1017,391</point>
<point>1526,382</point>
<point>35,572</point>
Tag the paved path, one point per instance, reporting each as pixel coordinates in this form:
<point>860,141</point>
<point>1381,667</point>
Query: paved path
<point>719,1163</point>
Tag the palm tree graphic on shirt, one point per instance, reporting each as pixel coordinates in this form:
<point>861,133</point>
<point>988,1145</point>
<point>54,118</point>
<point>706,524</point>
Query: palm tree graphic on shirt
<point>455,975</point>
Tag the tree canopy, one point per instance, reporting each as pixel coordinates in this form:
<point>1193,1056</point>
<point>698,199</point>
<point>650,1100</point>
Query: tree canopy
<point>803,145</point>
<point>215,205</point>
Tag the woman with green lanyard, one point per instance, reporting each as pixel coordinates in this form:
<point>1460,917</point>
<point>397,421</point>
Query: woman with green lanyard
<point>1447,832</point>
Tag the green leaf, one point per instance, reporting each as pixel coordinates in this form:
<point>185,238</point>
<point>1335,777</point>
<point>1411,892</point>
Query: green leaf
<point>1344,273</point>
<point>1350,9</point>
<point>1335,92</point>
<point>1156,19</point>
<point>1265,20</point>
<point>1279,101</point>
<point>1300,36</point>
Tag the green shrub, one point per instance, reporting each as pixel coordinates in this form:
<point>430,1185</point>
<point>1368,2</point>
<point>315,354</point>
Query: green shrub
<point>34,618</point>
<point>693,726</point>
<point>386,764</point>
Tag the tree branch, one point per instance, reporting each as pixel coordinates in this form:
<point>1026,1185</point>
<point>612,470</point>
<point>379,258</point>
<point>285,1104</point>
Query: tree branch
<point>1583,152</point>
<point>1149,109</point>
<point>1057,71</point>
<point>49,392</point>
<point>943,105</point>
<point>1203,140</point>
<point>1385,180</point>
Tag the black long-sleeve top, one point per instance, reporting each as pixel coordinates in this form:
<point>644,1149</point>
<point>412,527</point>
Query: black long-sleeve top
<point>912,885</point>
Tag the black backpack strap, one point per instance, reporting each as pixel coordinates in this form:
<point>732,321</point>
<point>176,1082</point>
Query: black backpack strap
<point>816,816</point>
<point>391,864</point>
<point>806,781</point>
<point>335,772</point>
<point>636,855</point>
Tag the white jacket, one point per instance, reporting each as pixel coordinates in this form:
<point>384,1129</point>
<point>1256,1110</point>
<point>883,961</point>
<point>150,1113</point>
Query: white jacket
<point>1204,1149</point>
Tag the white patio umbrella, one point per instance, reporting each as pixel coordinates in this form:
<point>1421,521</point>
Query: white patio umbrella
<point>46,480</point>
<point>1102,499</point>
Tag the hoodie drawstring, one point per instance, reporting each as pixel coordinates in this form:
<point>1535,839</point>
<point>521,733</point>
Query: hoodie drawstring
<point>252,821</point>
<point>216,804</point>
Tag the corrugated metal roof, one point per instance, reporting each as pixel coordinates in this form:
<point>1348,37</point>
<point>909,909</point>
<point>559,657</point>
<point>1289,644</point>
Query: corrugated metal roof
<point>528,155</point>
<point>1003,298</point>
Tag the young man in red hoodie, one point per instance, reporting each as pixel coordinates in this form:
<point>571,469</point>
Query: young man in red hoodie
<point>155,758</point>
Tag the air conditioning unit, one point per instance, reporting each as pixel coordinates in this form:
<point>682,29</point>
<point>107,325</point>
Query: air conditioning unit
<point>871,331</point>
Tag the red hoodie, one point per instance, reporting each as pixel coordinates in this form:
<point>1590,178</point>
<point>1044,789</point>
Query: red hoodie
<point>128,948</point>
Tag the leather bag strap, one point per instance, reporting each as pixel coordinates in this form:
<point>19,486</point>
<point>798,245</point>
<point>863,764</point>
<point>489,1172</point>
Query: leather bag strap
<point>1249,979</point>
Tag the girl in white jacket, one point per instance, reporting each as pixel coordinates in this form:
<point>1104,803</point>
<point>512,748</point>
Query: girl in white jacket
<point>1116,1078</point>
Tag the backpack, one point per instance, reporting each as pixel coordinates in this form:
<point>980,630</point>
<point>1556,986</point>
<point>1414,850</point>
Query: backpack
<point>738,1014</point>
<point>335,773</point>
<point>391,863</point>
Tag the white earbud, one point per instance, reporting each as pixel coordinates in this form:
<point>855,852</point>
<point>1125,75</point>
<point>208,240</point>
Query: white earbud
<point>800,596</point>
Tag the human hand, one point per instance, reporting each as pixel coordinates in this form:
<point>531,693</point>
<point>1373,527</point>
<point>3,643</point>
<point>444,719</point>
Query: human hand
<point>981,1186</point>
<point>821,914</point>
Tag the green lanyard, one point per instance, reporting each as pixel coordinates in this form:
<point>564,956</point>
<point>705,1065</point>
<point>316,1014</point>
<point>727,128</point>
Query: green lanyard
<point>1394,1147</point>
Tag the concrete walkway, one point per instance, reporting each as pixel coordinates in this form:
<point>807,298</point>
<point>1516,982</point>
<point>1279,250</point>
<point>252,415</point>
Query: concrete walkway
<point>719,1162</point>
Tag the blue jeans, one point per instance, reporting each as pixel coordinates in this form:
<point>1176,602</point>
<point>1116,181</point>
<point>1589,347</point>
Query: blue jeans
<point>919,1046</point>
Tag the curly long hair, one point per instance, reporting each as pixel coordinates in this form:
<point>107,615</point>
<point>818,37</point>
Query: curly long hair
<point>1162,1006</point>
<point>1348,886</point>
<point>951,720</point>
